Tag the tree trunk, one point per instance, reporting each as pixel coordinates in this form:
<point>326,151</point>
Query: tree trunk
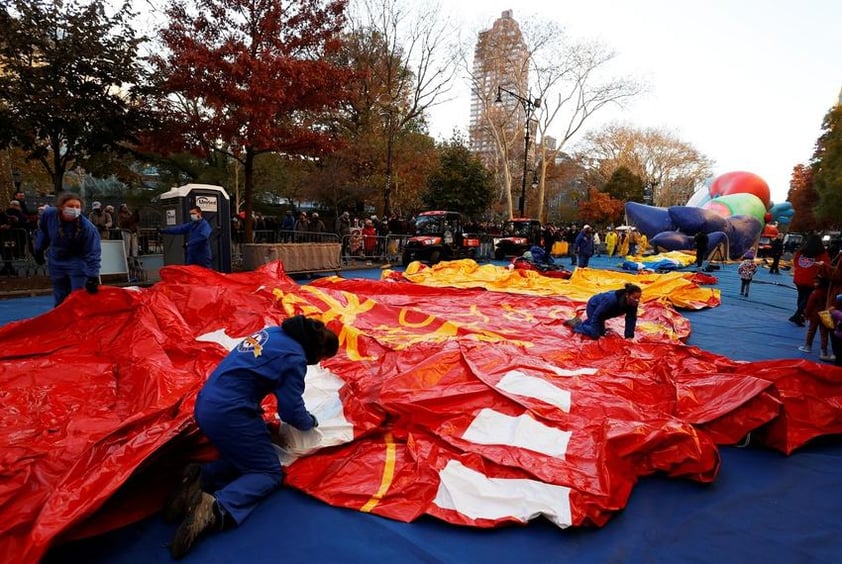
<point>387,190</point>
<point>59,165</point>
<point>248,183</point>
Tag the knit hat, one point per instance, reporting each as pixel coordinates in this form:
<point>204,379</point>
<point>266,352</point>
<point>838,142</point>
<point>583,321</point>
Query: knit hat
<point>96,206</point>
<point>317,340</point>
<point>749,255</point>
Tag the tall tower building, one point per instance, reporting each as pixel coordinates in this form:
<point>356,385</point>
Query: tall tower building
<point>500,60</point>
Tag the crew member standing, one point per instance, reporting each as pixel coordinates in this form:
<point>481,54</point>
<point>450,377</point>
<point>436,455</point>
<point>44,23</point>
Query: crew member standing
<point>72,244</point>
<point>198,232</point>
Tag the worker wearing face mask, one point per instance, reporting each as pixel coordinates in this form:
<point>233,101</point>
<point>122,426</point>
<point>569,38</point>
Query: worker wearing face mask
<point>72,246</point>
<point>198,232</point>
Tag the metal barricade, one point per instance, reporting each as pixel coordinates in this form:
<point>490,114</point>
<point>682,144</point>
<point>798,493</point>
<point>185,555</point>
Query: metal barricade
<point>149,241</point>
<point>16,248</point>
<point>359,248</point>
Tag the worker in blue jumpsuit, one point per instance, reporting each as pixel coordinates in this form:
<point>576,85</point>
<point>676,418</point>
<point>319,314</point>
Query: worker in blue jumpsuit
<point>198,232</point>
<point>71,243</point>
<point>608,305</point>
<point>224,492</point>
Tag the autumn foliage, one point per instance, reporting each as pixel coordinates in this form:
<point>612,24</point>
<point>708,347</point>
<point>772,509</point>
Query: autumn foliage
<point>600,208</point>
<point>247,77</point>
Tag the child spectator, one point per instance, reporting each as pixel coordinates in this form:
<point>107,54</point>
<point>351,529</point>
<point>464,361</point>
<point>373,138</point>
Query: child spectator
<point>746,270</point>
<point>816,303</point>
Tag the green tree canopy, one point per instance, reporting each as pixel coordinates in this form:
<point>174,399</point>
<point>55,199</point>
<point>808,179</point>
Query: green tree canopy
<point>803,198</point>
<point>461,182</point>
<point>67,90</point>
<point>827,170</point>
<point>624,185</point>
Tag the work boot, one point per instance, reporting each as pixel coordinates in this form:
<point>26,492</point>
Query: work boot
<point>572,323</point>
<point>189,485</point>
<point>203,515</point>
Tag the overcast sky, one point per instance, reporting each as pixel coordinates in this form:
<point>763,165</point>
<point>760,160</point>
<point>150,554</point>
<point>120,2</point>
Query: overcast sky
<point>746,82</point>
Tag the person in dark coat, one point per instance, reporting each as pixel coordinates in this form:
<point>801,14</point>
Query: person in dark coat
<point>701,242</point>
<point>584,246</point>
<point>71,243</point>
<point>198,232</point>
<point>228,411</point>
<point>608,305</point>
<point>776,250</point>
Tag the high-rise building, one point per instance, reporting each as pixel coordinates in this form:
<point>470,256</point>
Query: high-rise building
<point>501,60</point>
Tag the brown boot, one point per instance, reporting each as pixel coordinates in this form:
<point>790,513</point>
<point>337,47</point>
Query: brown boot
<point>572,323</point>
<point>204,515</point>
<point>189,485</point>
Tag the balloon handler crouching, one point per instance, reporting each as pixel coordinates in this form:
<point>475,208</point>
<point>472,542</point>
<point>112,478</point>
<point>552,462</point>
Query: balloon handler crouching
<point>605,306</point>
<point>224,492</point>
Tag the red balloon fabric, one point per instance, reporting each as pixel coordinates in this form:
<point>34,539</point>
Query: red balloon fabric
<point>477,407</point>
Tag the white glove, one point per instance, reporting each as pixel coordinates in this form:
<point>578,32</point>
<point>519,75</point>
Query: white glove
<point>297,442</point>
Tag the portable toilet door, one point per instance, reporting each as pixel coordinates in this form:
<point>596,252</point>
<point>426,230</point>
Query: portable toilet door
<point>216,210</point>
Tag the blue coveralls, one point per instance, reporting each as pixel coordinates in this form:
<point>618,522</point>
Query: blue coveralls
<point>72,248</point>
<point>584,248</point>
<point>602,307</point>
<point>229,414</point>
<point>198,241</point>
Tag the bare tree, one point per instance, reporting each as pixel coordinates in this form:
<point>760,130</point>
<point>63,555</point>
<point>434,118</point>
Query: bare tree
<point>670,167</point>
<point>417,70</point>
<point>500,63</point>
<point>556,82</point>
<point>571,78</point>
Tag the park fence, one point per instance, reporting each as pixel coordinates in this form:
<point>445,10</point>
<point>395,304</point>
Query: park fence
<point>356,249</point>
<point>388,249</point>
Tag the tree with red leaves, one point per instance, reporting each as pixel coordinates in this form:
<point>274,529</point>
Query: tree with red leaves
<point>803,197</point>
<point>247,77</point>
<point>600,208</point>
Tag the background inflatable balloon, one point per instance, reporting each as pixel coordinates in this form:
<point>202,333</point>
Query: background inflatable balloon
<point>671,241</point>
<point>782,213</point>
<point>693,220</point>
<point>743,232</point>
<point>732,209</point>
<point>738,204</point>
<point>741,182</point>
<point>649,220</point>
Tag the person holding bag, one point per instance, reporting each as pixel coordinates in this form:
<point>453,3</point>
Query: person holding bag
<point>836,333</point>
<point>812,310</point>
<point>808,262</point>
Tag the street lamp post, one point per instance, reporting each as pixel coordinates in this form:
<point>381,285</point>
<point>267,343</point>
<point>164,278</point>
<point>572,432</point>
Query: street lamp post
<point>529,107</point>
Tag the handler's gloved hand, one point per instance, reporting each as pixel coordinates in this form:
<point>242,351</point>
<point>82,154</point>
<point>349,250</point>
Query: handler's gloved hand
<point>92,285</point>
<point>39,258</point>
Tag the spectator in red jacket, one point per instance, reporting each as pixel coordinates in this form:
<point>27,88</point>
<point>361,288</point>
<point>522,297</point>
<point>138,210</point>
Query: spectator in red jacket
<point>369,238</point>
<point>810,261</point>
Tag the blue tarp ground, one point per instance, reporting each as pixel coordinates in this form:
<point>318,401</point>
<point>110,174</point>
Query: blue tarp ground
<point>764,506</point>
